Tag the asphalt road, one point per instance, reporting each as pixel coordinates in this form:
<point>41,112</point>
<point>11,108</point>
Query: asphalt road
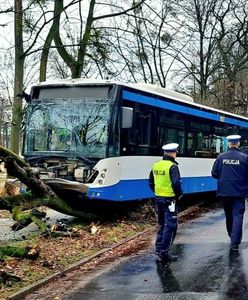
<point>205,269</point>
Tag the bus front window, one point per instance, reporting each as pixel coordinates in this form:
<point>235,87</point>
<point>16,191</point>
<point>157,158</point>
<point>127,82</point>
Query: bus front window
<point>71,125</point>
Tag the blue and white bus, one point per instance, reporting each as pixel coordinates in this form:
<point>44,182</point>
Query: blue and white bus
<point>100,138</point>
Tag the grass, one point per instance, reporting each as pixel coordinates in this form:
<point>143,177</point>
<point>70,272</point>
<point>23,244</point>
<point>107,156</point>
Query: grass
<point>58,253</point>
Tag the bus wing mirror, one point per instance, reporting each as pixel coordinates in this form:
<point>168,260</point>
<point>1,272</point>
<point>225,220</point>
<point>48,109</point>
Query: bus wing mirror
<point>126,117</point>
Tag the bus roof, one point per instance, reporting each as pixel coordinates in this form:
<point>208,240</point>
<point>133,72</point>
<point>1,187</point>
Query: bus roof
<point>156,89</point>
<point>150,88</point>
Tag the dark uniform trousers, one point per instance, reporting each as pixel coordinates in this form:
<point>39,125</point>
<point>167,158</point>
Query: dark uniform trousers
<point>234,208</point>
<point>167,225</point>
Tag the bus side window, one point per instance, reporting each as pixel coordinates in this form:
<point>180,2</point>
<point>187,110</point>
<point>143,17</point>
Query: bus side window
<point>199,145</point>
<point>126,117</point>
<point>190,144</point>
<point>140,138</point>
<point>172,135</point>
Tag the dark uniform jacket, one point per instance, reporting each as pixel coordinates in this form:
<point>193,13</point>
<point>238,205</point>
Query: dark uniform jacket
<point>174,176</point>
<point>231,171</point>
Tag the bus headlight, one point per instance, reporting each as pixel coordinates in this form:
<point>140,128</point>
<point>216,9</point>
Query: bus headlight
<point>102,176</point>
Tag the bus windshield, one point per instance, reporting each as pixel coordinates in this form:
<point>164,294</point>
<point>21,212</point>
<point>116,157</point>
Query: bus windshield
<point>67,126</point>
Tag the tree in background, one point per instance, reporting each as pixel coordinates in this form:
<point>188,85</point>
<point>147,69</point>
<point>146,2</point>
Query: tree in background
<point>198,59</point>
<point>214,56</point>
<point>17,112</point>
<point>4,122</point>
<point>144,45</point>
<point>230,88</point>
<point>6,94</point>
<point>198,47</point>
<point>75,56</point>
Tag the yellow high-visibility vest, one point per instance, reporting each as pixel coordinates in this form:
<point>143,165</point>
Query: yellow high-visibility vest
<point>162,180</point>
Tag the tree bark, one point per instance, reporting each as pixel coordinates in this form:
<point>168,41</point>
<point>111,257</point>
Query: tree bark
<point>17,111</point>
<point>39,194</point>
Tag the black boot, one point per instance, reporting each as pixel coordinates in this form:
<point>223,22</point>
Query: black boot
<point>234,248</point>
<point>172,257</point>
<point>167,257</point>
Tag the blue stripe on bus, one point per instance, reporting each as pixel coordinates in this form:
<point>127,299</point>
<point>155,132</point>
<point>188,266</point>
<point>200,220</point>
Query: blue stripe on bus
<point>180,108</point>
<point>139,189</point>
<point>198,184</point>
<point>235,122</point>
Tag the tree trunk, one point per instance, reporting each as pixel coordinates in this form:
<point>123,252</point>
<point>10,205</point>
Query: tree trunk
<point>45,53</point>
<point>40,193</point>
<point>17,111</point>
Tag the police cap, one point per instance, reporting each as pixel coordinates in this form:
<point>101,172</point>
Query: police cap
<point>233,138</point>
<point>172,147</point>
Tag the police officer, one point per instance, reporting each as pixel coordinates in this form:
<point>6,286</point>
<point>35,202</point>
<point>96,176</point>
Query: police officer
<point>165,182</point>
<point>231,171</point>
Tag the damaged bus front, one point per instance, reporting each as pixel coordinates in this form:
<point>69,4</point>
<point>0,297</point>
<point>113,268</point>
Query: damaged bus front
<point>68,135</point>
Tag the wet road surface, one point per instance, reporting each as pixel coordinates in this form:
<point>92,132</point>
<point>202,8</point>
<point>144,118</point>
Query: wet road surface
<point>205,269</point>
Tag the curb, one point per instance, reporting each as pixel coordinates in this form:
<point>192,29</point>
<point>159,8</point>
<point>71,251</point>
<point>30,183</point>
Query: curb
<point>33,287</point>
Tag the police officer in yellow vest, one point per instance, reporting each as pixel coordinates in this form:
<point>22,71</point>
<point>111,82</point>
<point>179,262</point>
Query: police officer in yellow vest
<point>165,181</point>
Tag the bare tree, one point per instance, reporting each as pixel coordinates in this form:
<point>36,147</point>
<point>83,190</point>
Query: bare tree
<point>230,90</point>
<point>76,61</point>
<point>198,55</point>
<point>138,46</point>
<point>4,122</point>
<point>17,112</point>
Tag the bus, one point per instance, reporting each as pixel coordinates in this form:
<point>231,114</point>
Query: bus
<point>98,139</point>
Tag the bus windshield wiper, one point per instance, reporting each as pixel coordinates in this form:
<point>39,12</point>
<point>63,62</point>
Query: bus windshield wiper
<point>40,158</point>
<point>85,160</point>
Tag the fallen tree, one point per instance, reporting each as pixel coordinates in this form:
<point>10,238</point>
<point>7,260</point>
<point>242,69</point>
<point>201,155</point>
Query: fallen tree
<point>23,206</point>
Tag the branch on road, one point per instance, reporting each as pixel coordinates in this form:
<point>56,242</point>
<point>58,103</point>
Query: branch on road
<point>24,206</point>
